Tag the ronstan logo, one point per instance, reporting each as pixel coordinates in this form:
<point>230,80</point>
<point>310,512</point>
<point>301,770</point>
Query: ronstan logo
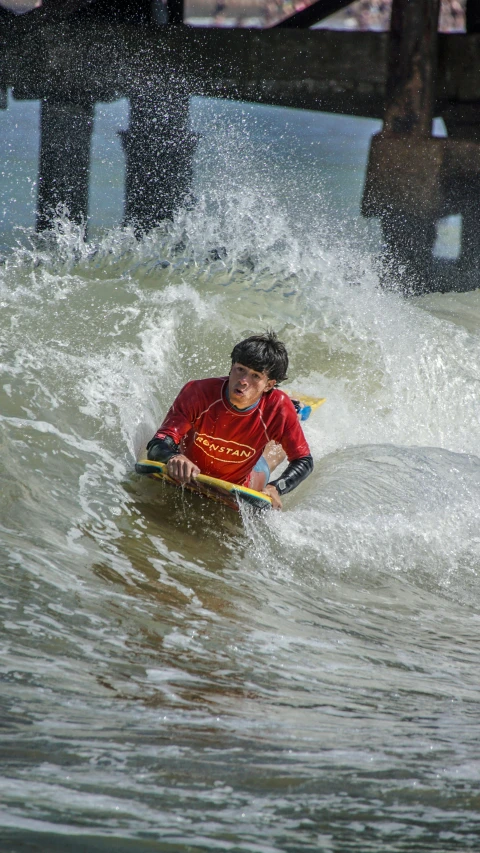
<point>223,451</point>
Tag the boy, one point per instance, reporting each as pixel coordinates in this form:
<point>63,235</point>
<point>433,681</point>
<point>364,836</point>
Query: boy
<point>231,427</point>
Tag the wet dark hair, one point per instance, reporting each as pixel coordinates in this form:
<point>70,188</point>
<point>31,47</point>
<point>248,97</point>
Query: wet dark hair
<point>264,353</point>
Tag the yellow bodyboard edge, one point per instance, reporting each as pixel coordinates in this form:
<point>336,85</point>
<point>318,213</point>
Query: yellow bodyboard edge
<point>159,470</point>
<point>313,402</point>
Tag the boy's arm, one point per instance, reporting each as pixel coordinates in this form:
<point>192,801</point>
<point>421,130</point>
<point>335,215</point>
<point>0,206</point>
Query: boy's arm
<point>177,422</point>
<point>294,443</point>
<point>179,467</point>
<point>296,471</point>
<point>165,444</point>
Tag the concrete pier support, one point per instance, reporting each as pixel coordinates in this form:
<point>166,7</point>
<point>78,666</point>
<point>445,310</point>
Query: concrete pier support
<point>66,130</point>
<point>463,126</point>
<point>403,182</point>
<point>159,147</point>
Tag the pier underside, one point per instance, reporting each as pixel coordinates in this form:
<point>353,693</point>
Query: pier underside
<point>412,177</point>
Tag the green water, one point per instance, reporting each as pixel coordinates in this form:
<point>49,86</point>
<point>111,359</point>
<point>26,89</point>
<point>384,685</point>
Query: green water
<point>176,677</point>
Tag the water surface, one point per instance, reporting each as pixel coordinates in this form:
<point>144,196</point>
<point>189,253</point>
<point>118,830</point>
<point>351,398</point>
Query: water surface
<point>177,677</point>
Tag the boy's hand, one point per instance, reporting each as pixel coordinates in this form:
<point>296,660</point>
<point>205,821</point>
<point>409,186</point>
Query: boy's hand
<point>182,469</point>
<point>273,494</point>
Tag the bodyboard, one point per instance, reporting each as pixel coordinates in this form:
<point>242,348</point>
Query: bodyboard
<point>227,493</point>
<point>307,404</point>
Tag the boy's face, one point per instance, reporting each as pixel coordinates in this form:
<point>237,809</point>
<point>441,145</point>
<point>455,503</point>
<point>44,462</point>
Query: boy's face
<point>246,386</point>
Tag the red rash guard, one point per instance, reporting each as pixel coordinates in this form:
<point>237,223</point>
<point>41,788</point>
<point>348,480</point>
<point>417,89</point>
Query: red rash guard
<point>223,441</point>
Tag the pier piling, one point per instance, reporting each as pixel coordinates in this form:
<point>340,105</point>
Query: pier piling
<point>413,178</point>
<point>159,148</point>
<point>66,130</point>
<point>403,182</point>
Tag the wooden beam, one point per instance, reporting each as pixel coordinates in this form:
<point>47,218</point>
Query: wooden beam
<point>313,14</point>
<point>338,72</point>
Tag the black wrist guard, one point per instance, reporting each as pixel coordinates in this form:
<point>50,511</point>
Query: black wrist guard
<point>297,470</point>
<point>162,449</point>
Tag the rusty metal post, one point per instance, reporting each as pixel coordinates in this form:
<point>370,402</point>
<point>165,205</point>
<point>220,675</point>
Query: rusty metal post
<point>403,183</point>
